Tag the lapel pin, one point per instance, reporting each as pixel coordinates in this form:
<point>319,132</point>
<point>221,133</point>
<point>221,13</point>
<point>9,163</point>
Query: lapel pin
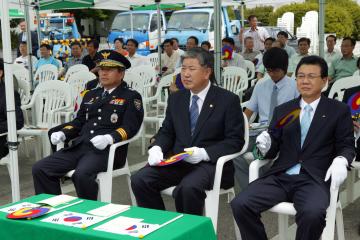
<point>323,116</point>
<point>211,105</point>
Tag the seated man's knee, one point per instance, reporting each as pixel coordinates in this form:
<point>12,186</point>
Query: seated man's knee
<point>136,180</point>
<point>240,204</point>
<point>82,176</point>
<point>36,169</point>
<point>312,215</point>
<point>189,190</point>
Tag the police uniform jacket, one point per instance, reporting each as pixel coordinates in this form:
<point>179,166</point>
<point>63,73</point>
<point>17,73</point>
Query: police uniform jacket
<point>120,114</point>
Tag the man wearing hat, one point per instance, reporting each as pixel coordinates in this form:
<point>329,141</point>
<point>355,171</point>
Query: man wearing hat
<point>107,115</point>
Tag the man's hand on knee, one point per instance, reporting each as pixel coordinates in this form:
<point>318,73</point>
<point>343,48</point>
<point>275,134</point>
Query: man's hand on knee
<point>263,142</point>
<point>57,137</point>
<point>102,141</point>
<point>155,156</point>
<point>197,155</point>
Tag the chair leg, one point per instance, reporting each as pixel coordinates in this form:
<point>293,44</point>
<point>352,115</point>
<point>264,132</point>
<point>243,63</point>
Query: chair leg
<point>143,138</point>
<point>38,154</point>
<point>231,196</point>
<point>283,221</point>
<point>212,207</point>
<point>26,147</point>
<point>350,187</point>
<point>339,223</point>
<point>105,188</point>
<point>132,196</point>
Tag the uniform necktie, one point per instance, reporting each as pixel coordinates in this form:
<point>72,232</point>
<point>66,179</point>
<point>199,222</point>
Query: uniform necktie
<point>194,113</point>
<point>305,125</point>
<point>273,102</point>
<point>104,94</point>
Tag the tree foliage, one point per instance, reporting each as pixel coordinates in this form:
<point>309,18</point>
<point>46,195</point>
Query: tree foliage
<point>262,13</point>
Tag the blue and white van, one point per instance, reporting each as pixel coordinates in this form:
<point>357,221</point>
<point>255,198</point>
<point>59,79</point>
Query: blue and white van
<point>144,29</point>
<point>199,22</point>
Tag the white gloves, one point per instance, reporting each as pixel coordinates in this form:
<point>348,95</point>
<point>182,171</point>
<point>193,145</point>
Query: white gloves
<point>155,156</point>
<point>102,141</point>
<point>263,142</point>
<point>337,171</point>
<point>57,137</point>
<point>198,155</point>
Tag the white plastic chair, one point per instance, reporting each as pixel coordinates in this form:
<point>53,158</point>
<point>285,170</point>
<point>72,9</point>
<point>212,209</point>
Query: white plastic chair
<point>235,79</point>
<point>212,196</point>
<point>160,98</point>
<point>104,179</point>
<point>283,209</point>
<point>148,75</point>
<point>24,88</point>
<point>49,98</point>
<point>77,81</point>
<point>20,72</point>
<point>250,69</point>
<point>134,80</point>
<point>45,73</point>
<point>338,88</point>
<point>153,59</point>
<point>75,69</point>
<point>337,92</point>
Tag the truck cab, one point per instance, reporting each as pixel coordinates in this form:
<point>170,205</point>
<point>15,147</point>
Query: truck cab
<point>199,22</point>
<point>144,29</point>
<point>59,29</point>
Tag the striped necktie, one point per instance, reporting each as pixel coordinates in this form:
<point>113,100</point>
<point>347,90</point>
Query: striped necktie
<point>194,113</point>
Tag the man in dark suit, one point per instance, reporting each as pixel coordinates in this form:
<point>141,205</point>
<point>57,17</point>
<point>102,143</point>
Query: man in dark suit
<point>203,119</point>
<point>23,38</point>
<point>4,150</point>
<point>316,146</point>
<point>107,115</point>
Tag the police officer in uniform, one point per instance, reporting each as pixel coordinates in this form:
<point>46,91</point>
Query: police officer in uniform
<point>107,115</point>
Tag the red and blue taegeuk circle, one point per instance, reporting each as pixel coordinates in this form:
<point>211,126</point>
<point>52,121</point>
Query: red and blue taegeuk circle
<point>354,104</point>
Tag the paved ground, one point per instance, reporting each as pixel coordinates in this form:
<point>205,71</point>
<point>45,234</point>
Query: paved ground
<point>120,195</point>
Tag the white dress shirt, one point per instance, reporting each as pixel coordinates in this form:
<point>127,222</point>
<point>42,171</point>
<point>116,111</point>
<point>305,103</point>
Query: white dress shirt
<point>201,95</point>
<point>313,105</point>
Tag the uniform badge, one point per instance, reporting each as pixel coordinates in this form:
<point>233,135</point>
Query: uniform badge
<point>114,118</point>
<point>137,103</point>
<point>117,101</point>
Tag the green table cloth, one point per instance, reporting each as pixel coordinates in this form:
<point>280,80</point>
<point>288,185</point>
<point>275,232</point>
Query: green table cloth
<point>187,227</point>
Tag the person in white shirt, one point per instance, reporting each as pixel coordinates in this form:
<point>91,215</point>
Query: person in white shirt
<point>134,58</point>
<point>24,57</point>
<point>331,53</point>
<point>259,68</point>
<point>304,45</point>
<point>169,58</point>
<point>176,46</point>
<point>259,34</point>
<point>236,60</point>
<point>283,38</point>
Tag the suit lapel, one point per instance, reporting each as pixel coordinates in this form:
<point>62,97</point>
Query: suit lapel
<point>183,111</point>
<point>316,123</point>
<point>296,125</point>
<point>206,110</point>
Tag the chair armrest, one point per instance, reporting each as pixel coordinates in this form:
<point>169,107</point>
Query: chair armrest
<point>3,134</point>
<point>255,167</point>
<point>219,168</point>
<point>114,146</point>
<point>27,106</point>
